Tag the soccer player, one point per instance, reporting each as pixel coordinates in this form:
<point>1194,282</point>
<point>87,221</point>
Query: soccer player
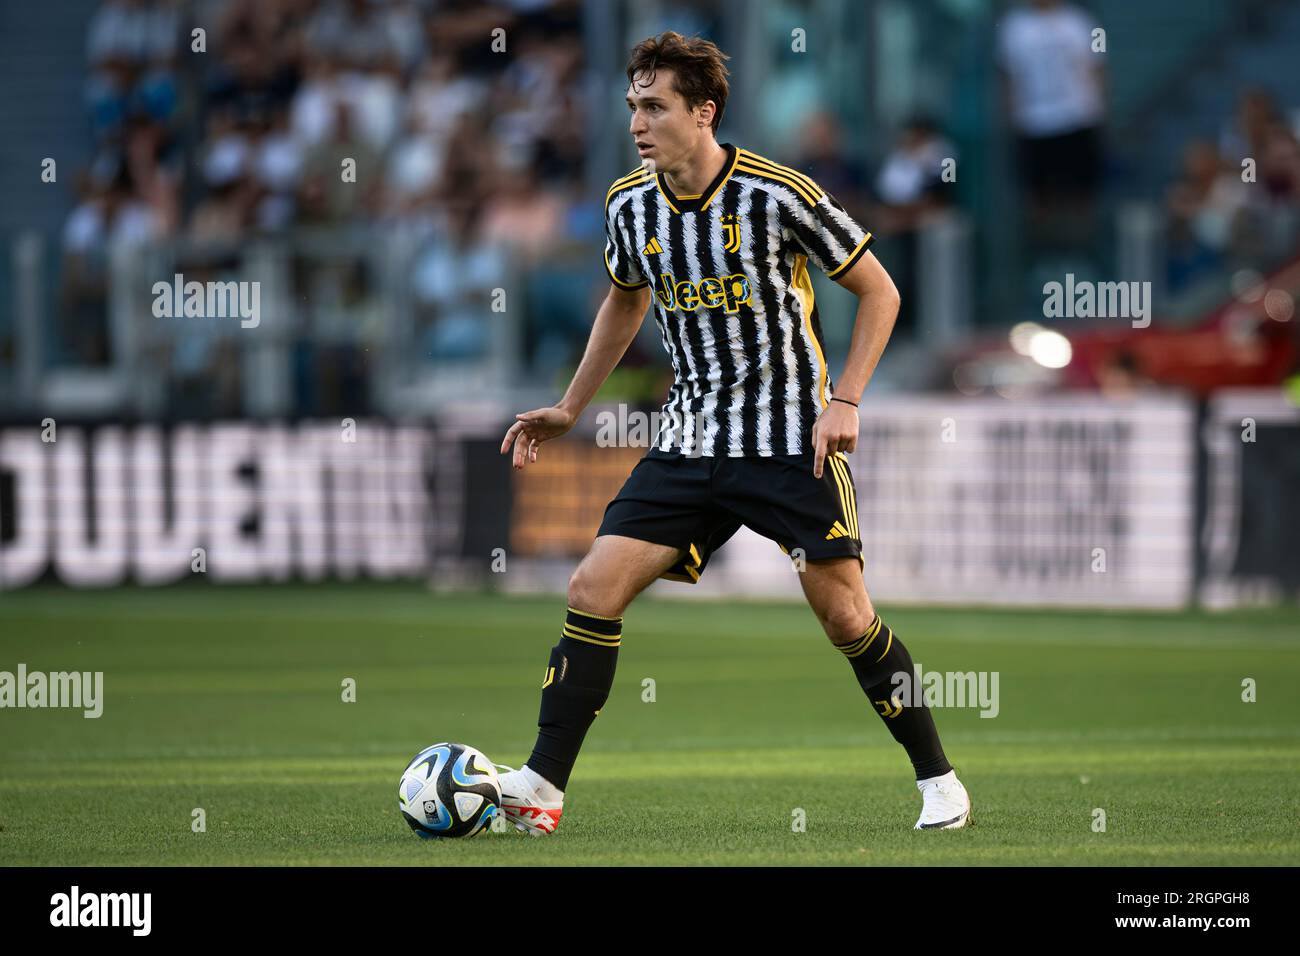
<point>754,431</point>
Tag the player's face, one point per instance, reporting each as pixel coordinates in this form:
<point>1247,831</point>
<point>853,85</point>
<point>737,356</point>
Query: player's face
<point>664,129</point>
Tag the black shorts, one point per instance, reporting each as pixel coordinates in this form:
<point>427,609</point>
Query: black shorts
<point>696,504</point>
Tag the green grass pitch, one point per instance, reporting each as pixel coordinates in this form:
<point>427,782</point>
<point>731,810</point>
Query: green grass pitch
<point>230,700</point>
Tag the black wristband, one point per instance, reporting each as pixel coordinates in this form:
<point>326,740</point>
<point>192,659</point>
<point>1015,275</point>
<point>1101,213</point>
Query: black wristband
<point>845,401</point>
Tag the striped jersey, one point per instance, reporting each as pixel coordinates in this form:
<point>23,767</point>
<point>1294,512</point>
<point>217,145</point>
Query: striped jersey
<point>733,299</point>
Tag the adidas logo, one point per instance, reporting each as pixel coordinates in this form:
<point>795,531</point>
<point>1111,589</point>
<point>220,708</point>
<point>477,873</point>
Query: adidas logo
<point>652,248</point>
<point>837,531</point>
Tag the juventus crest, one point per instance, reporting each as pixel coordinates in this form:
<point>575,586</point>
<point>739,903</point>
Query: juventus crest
<point>731,233</point>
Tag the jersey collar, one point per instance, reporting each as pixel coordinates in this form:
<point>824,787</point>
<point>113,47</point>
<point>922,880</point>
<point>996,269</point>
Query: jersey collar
<point>701,201</point>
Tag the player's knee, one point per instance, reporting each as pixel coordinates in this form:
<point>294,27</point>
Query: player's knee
<point>845,623</point>
<point>592,592</point>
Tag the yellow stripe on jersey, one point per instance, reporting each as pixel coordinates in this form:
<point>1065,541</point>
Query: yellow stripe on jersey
<point>628,177</point>
<point>788,171</point>
<point>810,193</point>
<point>660,183</point>
<point>804,187</point>
<point>619,282</point>
<point>802,286</point>
<point>627,182</point>
<point>722,182</point>
<point>782,180</point>
<point>851,259</point>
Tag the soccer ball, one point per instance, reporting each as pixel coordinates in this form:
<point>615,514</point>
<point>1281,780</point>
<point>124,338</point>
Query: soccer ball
<point>449,790</point>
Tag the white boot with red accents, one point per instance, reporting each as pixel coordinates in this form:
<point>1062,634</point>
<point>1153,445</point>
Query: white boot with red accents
<point>530,801</point>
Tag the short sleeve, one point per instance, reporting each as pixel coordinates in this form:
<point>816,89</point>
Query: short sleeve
<point>623,268</point>
<point>828,235</point>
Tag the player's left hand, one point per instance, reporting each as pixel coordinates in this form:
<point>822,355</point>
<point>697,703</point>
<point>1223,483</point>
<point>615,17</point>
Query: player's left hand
<point>836,429</point>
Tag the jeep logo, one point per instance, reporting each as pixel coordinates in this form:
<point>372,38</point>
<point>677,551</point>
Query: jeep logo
<point>730,292</point>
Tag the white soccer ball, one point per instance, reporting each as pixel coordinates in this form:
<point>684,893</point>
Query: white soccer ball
<point>449,790</point>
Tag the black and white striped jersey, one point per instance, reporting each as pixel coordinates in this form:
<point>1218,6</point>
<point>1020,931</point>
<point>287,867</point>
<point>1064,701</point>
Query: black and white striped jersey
<point>733,299</point>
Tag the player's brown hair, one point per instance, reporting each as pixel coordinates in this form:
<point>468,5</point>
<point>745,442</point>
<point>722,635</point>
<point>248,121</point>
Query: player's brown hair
<point>699,74</point>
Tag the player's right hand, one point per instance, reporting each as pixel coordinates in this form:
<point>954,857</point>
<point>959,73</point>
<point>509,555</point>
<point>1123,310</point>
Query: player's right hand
<point>533,428</point>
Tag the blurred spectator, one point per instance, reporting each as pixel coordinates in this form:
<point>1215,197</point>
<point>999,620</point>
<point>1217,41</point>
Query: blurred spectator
<point>110,214</point>
<point>413,173</point>
<point>1219,218</point>
<point>259,52</point>
<point>327,198</point>
<point>226,209</point>
<point>520,215</point>
<point>364,35</point>
<point>1204,209</point>
<point>453,281</point>
<point>153,164</point>
<point>1222,219</point>
<point>131,50</point>
<point>822,157</point>
<point>440,96</point>
<point>373,100</point>
<point>277,167</point>
<point>1256,114</point>
<point>1054,95</point>
<point>1279,165</point>
<point>910,188</point>
<point>534,110</point>
<point>1274,231</point>
<point>910,182</point>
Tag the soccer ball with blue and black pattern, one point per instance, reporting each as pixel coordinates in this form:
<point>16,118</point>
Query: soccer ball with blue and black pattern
<point>449,790</point>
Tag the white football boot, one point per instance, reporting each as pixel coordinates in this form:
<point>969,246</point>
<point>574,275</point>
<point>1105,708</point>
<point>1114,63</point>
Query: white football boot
<point>529,801</point>
<point>947,804</point>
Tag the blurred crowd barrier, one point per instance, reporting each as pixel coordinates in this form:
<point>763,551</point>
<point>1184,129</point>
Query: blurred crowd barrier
<point>346,321</point>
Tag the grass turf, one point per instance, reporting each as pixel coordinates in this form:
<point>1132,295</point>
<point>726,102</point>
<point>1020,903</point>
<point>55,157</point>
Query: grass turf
<point>230,699</point>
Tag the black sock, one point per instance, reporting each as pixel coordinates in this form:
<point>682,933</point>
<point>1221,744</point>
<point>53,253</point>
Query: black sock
<point>877,656</point>
<point>578,679</point>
